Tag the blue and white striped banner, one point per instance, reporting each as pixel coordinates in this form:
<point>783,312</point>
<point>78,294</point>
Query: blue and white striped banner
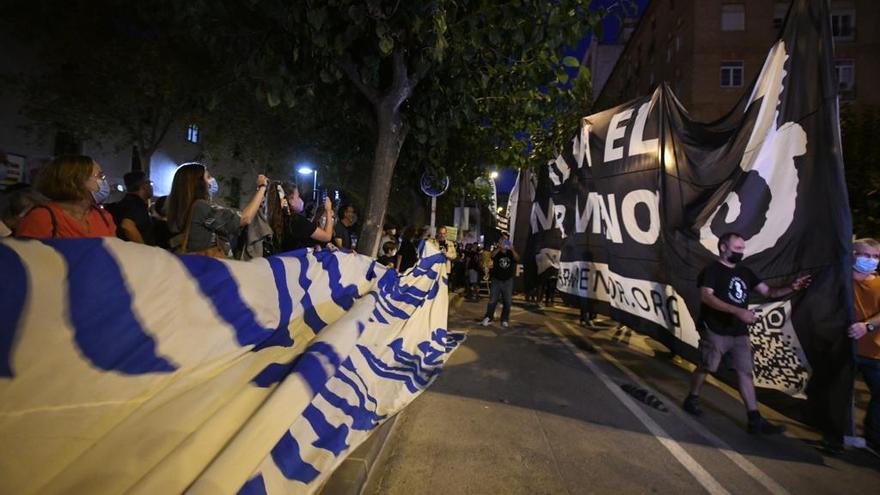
<point>124,368</point>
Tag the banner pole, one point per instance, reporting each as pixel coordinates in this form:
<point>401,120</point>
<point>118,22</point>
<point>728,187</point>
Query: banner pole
<point>433,215</point>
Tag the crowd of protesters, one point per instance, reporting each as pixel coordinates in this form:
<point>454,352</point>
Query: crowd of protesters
<point>68,201</point>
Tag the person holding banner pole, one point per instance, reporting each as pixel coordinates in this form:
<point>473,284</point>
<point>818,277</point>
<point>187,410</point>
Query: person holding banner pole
<point>504,259</point>
<point>724,320</point>
<point>866,298</point>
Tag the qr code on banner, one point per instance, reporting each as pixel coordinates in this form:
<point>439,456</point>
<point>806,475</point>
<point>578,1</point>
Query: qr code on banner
<point>780,362</point>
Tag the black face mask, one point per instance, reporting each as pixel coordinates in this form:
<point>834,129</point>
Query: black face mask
<point>735,257</point>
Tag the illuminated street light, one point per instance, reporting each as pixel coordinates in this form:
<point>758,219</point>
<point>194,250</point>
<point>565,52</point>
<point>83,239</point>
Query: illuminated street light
<point>493,174</point>
<point>306,170</point>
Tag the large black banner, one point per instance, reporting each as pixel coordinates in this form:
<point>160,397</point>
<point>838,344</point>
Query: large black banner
<point>642,193</point>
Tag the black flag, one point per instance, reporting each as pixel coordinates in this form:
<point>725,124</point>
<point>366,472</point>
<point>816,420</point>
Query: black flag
<point>643,192</point>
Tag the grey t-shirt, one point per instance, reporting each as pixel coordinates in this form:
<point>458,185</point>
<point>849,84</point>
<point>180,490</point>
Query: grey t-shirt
<point>208,221</point>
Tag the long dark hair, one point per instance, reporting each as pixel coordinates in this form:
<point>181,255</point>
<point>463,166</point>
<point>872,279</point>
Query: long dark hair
<point>275,210</point>
<point>187,187</point>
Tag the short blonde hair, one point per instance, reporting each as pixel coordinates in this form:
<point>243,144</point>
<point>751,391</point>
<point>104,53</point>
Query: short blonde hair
<point>867,241</point>
<point>64,178</point>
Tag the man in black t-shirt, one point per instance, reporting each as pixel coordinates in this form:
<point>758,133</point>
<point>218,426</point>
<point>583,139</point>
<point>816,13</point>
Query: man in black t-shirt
<point>344,228</point>
<point>504,260</point>
<point>132,213</point>
<point>724,320</point>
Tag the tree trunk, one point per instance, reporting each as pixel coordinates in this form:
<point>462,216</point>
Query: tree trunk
<point>145,157</point>
<point>388,144</point>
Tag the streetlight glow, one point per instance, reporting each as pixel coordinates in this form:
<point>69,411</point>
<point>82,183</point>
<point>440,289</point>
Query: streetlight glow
<point>306,169</point>
<point>493,174</point>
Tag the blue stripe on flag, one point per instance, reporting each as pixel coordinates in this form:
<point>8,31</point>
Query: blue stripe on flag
<point>342,295</point>
<point>289,461</point>
<point>106,330</point>
<point>308,364</point>
<point>217,283</point>
<point>330,438</point>
<point>362,418</point>
<point>254,486</point>
<point>13,292</point>
<point>273,373</point>
<point>310,315</point>
<point>349,365</point>
<point>281,335</point>
<point>413,381</point>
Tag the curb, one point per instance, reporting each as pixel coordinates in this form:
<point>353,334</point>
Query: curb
<point>351,476</point>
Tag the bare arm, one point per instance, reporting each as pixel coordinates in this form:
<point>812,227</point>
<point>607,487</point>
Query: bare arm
<point>708,297</point>
<point>777,292</point>
<point>325,233</point>
<point>250,211</point>
<point>858,329</point>
<point>515,254</point>
<point>131,231</point>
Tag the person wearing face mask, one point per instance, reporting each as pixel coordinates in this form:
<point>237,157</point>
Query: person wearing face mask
<point>866,298</point>
<point>199,226</point>
<point>291,229</point>
<point>724,326</point>
<point>76,187</point>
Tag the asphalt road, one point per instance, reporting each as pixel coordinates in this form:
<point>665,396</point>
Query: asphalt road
<point>546,406</point>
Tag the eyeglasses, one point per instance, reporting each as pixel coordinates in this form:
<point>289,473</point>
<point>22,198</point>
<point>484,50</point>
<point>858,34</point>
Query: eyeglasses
<point>100,176</point>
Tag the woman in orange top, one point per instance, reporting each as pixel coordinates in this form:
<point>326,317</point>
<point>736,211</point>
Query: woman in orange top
<point>76,187</point>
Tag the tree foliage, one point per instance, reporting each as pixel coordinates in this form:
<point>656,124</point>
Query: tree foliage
<point>451,79</point>
<point>361,85</point>
<point>862,161</point>
<point>109,70</point>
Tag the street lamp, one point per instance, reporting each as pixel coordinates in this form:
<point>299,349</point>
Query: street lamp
<point>306,170</point>
<point>493,174</point>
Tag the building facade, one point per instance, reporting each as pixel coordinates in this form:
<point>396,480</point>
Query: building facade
<point>709,51</point>
<point>27,149</point>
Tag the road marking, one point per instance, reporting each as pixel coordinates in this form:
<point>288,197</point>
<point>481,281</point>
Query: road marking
<point>695,468</point>
<point>760,476</point>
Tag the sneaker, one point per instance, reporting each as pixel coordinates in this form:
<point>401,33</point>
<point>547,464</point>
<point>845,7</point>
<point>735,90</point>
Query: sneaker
<point>486,322</point>
<point>691,405</point>
<point>763,427</point>
<point>504,324</point>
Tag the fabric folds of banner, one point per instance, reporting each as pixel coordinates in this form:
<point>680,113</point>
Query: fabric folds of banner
<point>129,369</point>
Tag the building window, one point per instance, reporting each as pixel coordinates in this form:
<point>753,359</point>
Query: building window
<point>731,74</point>
<point>843,25</point>
<point>192,133</point>
<point>845,70</point>
<point>733,17</point>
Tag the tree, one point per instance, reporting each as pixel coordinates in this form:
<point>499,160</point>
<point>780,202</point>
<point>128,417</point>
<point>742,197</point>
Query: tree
<point>429,70</point>
<point>859,128</point>
<point>112,70</point>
